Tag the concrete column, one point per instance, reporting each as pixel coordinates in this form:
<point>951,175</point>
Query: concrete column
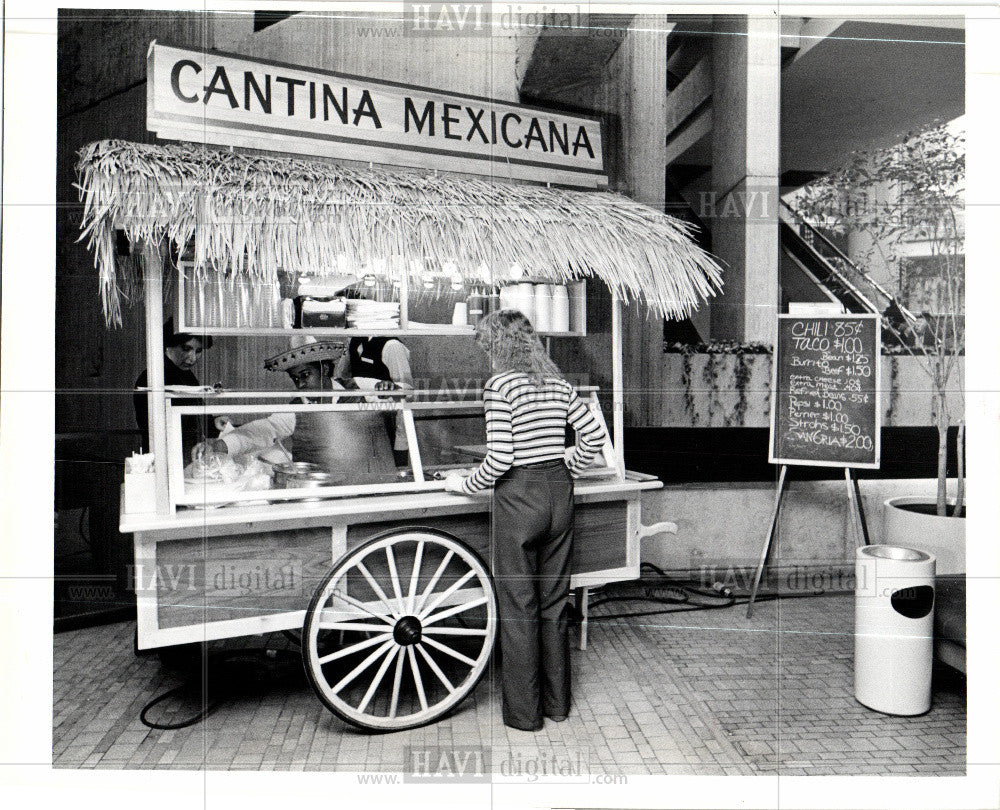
<point>642,106</point>
<point>746,95</point>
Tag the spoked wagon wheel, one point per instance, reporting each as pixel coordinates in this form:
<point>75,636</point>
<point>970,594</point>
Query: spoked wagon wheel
<point>401,630</point>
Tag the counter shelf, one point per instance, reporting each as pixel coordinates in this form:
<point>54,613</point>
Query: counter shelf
<point>220,304</point>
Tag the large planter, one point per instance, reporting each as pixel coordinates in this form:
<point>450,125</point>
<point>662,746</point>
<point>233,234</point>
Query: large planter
<point>944,537</point>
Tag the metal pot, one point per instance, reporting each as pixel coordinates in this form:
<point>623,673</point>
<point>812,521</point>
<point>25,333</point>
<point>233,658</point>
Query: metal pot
<point>311,480</point>
<point>284,474</point>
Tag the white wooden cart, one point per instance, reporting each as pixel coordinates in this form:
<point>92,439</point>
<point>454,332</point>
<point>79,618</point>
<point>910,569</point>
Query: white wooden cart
<point>389,582</point>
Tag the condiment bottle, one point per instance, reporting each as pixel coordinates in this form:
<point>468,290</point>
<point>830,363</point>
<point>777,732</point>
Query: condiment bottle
<point>492,301</point>
<point>477,305</point>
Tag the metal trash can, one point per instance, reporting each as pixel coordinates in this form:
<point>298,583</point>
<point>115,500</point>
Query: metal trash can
<point>893,629</point>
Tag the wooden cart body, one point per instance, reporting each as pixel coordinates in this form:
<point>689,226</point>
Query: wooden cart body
<point>239,571</point>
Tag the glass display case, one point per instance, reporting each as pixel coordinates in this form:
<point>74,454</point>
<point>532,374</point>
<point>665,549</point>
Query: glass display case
<point>338,444</point>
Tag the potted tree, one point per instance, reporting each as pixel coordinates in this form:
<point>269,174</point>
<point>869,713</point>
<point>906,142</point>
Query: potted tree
<point>894,200</point>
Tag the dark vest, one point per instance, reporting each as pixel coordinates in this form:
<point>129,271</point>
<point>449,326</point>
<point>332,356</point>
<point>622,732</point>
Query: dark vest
<point>366,357</point>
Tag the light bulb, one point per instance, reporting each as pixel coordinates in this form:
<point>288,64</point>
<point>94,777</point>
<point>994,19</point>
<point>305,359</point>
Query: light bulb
<point>516,271</point>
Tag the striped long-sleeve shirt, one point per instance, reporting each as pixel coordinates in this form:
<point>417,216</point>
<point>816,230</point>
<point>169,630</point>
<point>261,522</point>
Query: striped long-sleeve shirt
<point>526,424</point>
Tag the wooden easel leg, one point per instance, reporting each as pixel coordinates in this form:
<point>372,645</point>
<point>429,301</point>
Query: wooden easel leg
<point>583,610</point>
<point>767,542</point>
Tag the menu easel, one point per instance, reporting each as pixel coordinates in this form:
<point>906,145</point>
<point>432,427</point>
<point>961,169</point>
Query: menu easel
<point>825,408</point>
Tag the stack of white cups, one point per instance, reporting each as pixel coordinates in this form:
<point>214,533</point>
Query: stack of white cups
<point>560,308</point>
<point>524,299</point>
<point>543,308</point>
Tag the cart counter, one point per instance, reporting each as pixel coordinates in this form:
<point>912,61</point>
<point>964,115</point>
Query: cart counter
<point>245,570</point>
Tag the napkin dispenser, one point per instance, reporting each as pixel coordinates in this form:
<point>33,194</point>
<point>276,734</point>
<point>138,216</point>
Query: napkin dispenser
<point>327,312</point>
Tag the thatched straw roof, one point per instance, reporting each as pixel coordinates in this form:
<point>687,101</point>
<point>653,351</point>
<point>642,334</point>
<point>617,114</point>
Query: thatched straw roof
<point>256,214</point>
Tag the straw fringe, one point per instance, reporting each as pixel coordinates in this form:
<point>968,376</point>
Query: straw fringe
<point>256,214</point>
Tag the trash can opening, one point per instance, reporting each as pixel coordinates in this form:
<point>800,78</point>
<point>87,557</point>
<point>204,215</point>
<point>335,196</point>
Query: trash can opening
<point>914,603</point>
<point>895,553</point>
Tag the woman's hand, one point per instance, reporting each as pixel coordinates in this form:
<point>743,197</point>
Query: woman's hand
<point>385,385</point>
<point>453,482</point>
<point>206,449</point>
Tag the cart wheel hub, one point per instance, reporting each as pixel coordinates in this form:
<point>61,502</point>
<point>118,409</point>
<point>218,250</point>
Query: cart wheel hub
<point>407,630</point>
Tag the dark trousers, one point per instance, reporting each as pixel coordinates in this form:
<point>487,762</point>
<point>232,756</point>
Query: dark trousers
<point>533,542</point>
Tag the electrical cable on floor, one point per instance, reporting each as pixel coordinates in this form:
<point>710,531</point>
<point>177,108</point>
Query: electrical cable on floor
<point>686,596</point>
<point>231,679</point>
<point>182,724</point>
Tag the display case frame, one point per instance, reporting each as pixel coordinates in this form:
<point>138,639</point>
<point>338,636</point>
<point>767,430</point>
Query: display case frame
<point>404,403</point>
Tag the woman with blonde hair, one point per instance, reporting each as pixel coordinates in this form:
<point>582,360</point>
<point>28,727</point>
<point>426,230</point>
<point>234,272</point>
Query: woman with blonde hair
<point>528,406</point>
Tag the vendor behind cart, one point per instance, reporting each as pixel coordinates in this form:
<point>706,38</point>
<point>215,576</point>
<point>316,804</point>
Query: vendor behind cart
<point>386,359</point>
<point>181,353</point>
<point>352,446</point>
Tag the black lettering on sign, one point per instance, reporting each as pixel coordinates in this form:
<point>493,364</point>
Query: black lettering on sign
<point>448,119</point>
<point>503,129</point>
<point>534,134</point>
<point>582,140</point>
<point>475,126</point>
<point>825,393</point>
<point>291,84</point>
<point>263,96</point>
<point>555,139</point>
<point>426,118</point>
<point>220,84</point>
<point>175,79</point>
<point>366,107</point>
<point>340,107</point>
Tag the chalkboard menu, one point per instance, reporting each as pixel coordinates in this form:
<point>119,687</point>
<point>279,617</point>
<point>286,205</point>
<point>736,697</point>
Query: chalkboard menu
<point>825,391</point>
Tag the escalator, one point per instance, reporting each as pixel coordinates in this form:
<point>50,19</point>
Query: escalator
<point>812,277</point>
<point>812,268</point>
<point>823,270</point>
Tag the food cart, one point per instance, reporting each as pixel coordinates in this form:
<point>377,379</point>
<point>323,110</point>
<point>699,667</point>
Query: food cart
<point>389,579</point>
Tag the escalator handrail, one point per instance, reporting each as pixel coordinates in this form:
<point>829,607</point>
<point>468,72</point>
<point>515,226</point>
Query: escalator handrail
<point>833,272</point>
<point>840,255</point>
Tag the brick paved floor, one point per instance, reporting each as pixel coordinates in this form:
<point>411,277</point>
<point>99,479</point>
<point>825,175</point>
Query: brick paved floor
<point>706,692</point>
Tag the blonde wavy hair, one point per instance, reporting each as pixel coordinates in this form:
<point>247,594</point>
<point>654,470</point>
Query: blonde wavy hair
<point>509,340</point>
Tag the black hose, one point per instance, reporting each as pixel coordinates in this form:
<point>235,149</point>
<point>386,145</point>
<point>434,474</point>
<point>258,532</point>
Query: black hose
<point>731,602</point>
<point>182,724</point>
<point>234,680</point>
<point>686,596</point>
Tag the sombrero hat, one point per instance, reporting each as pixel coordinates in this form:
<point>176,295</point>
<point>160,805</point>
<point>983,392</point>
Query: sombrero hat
<point>305,349</point>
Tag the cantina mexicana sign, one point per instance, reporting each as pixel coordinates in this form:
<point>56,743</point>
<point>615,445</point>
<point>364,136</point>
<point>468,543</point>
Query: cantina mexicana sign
<point>219,98</point>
